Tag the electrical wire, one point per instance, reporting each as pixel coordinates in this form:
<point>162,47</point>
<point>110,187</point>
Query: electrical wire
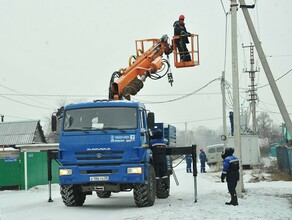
<point>23,95</point>
<point>271,112</point>
<point>23,103</point>
<point>285,74</point>
<point>223,7</point>
<point>182,97</point>
<point>14,116</point>
<point>54,95</point>
<point>209,119</point>
<point>225,42</point>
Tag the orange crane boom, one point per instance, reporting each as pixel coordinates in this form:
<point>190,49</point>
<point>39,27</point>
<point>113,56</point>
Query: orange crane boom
<point>129,81</point>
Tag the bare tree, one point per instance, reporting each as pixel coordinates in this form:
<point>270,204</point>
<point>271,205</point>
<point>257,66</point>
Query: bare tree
<point>267,129</point>
<point>52,137</point>
<point>276,134</point>
<point>201,136</point>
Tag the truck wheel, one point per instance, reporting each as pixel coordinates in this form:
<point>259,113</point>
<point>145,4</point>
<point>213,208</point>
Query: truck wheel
<point>162,189</point>
<point>103,194</point>
<point>144,194</point>
<point>72,195</point>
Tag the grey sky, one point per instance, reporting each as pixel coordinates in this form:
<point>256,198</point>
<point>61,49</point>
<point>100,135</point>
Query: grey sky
<point>55,51</point>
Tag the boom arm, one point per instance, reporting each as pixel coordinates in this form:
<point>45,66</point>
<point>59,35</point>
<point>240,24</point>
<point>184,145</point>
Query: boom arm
<point>129,81</point>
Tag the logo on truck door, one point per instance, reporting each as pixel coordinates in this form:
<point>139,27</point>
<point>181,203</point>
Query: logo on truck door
<point>123,138</point>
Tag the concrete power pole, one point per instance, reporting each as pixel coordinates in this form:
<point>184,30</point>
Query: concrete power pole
<point>266,67</point>
<point>223,86</point>
<point>235,85</point>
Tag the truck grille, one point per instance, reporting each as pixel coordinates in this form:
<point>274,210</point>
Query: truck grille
<point>99,156</point>
<point>98,171</point>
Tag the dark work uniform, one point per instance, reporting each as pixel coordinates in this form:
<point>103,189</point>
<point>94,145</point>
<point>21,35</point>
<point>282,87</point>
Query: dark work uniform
<point>180,29</point>
<point>231,172</point>
<point>189,161</point>
<point>158,148</point>
<point>203,159</point>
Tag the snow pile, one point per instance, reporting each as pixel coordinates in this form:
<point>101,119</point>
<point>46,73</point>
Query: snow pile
<point>262,200</point>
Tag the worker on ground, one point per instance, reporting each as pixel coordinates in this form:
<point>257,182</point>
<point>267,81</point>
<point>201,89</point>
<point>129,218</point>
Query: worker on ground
<point>180,30</point>
<point>230,172</point>
<point>189,161</point>
<point>203,160</point>
<point>158,147</point>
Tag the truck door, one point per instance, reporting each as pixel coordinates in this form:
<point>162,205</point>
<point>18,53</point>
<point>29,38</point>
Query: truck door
<point>144,137</point>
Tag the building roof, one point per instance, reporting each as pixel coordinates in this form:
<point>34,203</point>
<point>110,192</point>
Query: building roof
<point>21,132</point>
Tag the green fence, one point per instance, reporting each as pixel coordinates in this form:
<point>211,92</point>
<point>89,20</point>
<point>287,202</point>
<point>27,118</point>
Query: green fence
<point>284,158</point>
<point>273,149</point>
<point>29,170</point>
<point>10,173</point>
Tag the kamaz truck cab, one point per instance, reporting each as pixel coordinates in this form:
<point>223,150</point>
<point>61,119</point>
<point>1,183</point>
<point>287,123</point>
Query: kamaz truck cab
<point>104,147</point>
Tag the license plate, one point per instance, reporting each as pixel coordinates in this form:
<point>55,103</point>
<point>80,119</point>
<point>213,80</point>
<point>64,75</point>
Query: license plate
<point>99,178</point>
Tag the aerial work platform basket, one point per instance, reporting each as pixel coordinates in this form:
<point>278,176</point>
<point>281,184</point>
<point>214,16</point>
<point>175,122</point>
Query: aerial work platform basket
<point>192,52</point>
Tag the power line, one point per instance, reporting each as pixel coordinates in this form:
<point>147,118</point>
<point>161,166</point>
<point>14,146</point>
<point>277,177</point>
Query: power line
<point>47,95</point>
<point>182,97</point>
<point>224,10</point>
<point>168,94</point>
<point>14,116</point>
<point>284,55</point>
<point>209,119</point>
<point>229,103</point>
<point>23,103</point>
<point>22,94</point>
<point>259,87</point>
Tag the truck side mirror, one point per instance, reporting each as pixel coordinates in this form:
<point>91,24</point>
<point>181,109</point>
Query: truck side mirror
<point>54,123</point>
<point>150,120</point>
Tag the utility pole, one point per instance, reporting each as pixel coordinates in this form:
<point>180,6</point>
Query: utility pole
<point>223,85</point>
<point>266,66</point>
<point>253,95</point>
<point>235,85</point>
<point>186,134</point>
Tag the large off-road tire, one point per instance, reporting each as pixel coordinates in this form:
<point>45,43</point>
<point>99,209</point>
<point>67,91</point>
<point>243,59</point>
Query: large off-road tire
<point>72,195</point>
<point>162,189</point>
<point>103,194</point>
<point>144,194</point>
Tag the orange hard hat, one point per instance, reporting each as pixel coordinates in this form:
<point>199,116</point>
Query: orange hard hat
<point>181,17</point>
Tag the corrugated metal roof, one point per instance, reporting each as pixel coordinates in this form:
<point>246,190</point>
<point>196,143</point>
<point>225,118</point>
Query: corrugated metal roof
<point>21,132</point>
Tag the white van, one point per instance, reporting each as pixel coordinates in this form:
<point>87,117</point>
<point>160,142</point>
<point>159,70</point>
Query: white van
<point>213,153</point>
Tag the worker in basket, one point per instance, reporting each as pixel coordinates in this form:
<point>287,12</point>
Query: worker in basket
<point>180,30</point>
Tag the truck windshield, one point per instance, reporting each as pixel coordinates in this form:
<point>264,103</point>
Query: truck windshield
<point>101,118</point>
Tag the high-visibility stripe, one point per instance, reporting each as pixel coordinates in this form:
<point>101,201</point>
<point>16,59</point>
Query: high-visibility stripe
<point>162,144</point>
<point>234,160</point>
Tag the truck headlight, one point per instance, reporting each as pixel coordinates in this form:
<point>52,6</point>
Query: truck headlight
<point>134,170</point>
<point>65,172</point>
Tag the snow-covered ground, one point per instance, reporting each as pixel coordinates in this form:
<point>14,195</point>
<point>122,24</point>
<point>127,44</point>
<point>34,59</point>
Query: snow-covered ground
<point>262,200</point>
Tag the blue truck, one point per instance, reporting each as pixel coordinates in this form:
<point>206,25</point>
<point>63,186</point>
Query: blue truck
<point>104,148</point>
<point>104,145</point>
